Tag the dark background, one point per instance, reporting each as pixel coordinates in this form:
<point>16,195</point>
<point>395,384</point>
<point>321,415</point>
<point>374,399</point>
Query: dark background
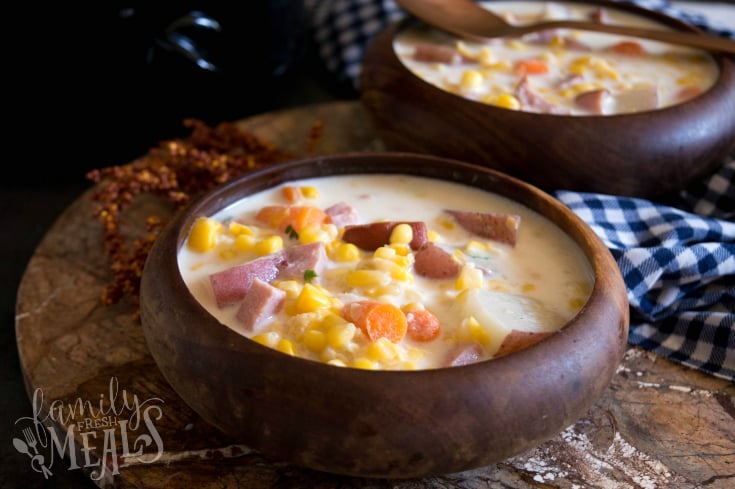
<point>97,85</point>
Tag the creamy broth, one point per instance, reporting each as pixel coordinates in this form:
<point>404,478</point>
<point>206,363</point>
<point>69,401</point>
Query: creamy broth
<point>534,285</point>
<point>563,71</point>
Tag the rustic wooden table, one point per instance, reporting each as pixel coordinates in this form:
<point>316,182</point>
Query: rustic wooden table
<point>92,380</point>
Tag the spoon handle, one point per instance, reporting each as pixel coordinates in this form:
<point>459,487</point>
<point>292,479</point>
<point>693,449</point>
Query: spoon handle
<point>703,41</point>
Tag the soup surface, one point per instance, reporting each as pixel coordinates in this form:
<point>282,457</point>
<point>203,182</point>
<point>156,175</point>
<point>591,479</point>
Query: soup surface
<point>559,71</point>
<point>385,271</point>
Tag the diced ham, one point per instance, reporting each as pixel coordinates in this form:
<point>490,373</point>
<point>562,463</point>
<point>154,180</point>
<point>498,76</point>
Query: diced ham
<point>260,303</point>
<point>519,340</point>
<point>464,355</point>
<point>432,261</point>
<point>342,214</point>
<point>298,259</point>
<point>232,284</point>
<point>497,226</point>
<point>372,236</point>
<point>534,102</point>
<point>594,101</point>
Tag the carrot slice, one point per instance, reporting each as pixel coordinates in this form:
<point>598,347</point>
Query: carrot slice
<point>298,217</point>
<point>302,217</point>
<point>628,48</point>
<point>292,194</point>
<point>531,67</point>
<point>272,215</point>
<point>377,319</point>
<point>422,325</point>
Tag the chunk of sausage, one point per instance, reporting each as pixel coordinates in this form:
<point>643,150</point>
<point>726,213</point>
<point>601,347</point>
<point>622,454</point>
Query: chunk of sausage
<point>370,237</point>
<point>497,226</point>
<point>260,303</point>
<point>594,101</point>
<point>432,261</point>
<point>430,53</point>
<point>231,285</point>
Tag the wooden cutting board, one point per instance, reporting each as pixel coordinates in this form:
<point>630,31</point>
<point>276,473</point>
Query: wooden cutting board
<point>657,425</point>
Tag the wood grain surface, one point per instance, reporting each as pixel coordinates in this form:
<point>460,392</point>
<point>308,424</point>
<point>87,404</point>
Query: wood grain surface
<point>92,380</point>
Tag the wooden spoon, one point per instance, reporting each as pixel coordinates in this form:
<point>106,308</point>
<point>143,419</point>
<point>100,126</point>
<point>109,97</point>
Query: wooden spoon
<point>467,19</point>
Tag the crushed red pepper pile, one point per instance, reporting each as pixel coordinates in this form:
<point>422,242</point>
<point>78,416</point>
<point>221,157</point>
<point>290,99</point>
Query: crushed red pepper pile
<point>176,170</point>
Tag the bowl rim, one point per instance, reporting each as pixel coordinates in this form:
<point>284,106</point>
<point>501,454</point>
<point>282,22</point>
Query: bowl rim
<point>603,266</point>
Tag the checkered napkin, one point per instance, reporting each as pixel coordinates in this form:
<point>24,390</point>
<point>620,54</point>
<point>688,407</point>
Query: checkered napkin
<point>677,260</point>
<point>678,266</point>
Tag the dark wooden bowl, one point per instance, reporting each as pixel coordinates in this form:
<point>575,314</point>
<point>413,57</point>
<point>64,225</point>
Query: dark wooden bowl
<point>394,424</point>
<point>643,154</point>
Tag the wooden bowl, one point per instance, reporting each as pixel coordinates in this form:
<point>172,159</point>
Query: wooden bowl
<point>644,154</point>
<point>395,424</point>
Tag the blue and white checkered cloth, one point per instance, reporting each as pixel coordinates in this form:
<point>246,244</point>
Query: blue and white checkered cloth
<point>678,267</point>
<point>677,260</point>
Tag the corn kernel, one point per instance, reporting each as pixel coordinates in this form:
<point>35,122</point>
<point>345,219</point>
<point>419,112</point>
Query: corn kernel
<point>528,287</point>
<point>315,340</point>
<point>312,234</point>
<point>346,252</point>
<point>486,56</point>
<point>497,285</point>
<point>462,49</point>
<point>401,234</point>
<point>203,234</point>
<point>382,350</point>
<point>269,245</point>
<point>385,252</point>
<point>269,339</point>
<point>336,362</point>
<point>433,236</point>
<point>401,249</point>
<point>516,44</point>
<point>469,277</point>
<point>309,192</point>
<point>339,335</point>
<point>474,248</point>
<point>285,346</point>
<point>367,278</point>
<point>235,228</point>
<point>507,101</point>
<point>446,223</point>
<point>576,303</point>
<point>292,288</point>
<point>311,299</point>
<point>364,363</point>
<point>470,80</point>
<point>402,274</point>
<point>472,330</point>
<point>245,242</point>
<point>227,254</point>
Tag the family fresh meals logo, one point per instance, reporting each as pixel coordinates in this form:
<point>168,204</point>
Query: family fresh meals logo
<point>100,434</point>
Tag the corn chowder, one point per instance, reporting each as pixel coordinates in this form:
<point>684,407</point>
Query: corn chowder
<point>328,269</point>
<point>559,71</point>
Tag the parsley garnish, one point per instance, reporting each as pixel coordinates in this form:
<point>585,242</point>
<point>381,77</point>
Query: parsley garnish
<point>309,275</point>
<point>291,232</point>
